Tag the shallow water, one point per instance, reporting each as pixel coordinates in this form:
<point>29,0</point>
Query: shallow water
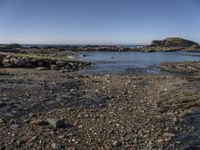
<point>131,62</point>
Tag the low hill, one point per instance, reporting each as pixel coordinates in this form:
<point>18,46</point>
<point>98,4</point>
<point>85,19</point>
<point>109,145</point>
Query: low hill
<point>178,42</point>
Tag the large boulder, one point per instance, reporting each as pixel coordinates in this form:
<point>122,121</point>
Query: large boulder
<point>177,42</point>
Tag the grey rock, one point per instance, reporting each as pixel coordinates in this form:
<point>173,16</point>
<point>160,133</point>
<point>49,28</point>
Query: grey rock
<point>5,60</point>
<point>56,146</point>
<point>8,114</point>
<point>15,126</point>
<point>40,68</point>
<point>54,67</point>
<point>116,143</point>
<point>56,123</point>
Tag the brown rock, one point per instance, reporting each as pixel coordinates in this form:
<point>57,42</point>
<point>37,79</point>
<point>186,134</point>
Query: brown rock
<point>39,122</point>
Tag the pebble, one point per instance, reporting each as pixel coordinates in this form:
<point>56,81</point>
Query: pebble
<point>116,143</point>
<point>169,134</point>
<point>40,68</point>
<point>9,114</point>
<point>33,138</point>
<point>15,126</point>
<point>56,146</point>
<point>56,123</point>
<point>1,121</point>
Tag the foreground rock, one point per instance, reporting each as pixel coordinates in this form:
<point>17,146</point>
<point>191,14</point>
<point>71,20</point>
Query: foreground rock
<point>56,123</point>
<point>192,68</point>
<point>17,61</point>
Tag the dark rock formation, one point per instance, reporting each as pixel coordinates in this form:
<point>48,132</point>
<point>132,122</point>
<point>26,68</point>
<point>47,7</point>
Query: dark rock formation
<point>17,61</point>
<point>10,46</point>
<point>177,42</point>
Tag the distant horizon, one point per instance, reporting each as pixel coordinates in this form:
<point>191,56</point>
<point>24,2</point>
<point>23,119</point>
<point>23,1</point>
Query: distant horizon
<point>69,44</point>
<point>97,43</point>
<point>93,22</point>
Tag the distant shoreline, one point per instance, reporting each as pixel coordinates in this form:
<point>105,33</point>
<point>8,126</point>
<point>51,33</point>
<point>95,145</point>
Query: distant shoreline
<point>166,45</point>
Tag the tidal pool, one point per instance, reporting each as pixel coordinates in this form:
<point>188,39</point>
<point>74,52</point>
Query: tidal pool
<point>132,62</point>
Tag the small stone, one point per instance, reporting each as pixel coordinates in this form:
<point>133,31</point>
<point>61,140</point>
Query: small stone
<point>15,126</point>
<point>9,115</point>
<point>61,136</point>
<point>169,135</point>
<point>33,138</point>
<point>1,121</point>
<point>116,143</point>
<point>32,115</point>
<point>40,68</point>
<point>22,140</point>
<point>80,126</point>
<point>56,146</point>
<point>38,122</point>
<point>56,123</point>
<point>54,67</point>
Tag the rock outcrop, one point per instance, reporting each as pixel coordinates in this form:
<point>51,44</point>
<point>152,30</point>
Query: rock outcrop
<point>17,61</point>
<point>177,42</point>
<point>182,67</point>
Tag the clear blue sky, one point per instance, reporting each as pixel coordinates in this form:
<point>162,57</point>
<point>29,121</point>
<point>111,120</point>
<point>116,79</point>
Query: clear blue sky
<point>97,21</point>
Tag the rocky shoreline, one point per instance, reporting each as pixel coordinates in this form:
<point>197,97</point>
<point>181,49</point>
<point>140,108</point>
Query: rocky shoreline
<point>54,110</point>
<point>10,60</point>
<point>45,107</point>
<point>190,68</point>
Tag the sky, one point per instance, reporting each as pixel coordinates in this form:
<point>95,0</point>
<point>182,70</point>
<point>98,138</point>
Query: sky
<point>97,21</point>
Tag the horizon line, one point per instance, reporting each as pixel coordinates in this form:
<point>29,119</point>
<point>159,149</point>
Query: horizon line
<point>73,43</point>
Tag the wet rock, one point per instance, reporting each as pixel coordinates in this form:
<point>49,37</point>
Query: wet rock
<point>56,123</point>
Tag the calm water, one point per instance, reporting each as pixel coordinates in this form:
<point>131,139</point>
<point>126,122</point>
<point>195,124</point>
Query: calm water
<point>131,62</point>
